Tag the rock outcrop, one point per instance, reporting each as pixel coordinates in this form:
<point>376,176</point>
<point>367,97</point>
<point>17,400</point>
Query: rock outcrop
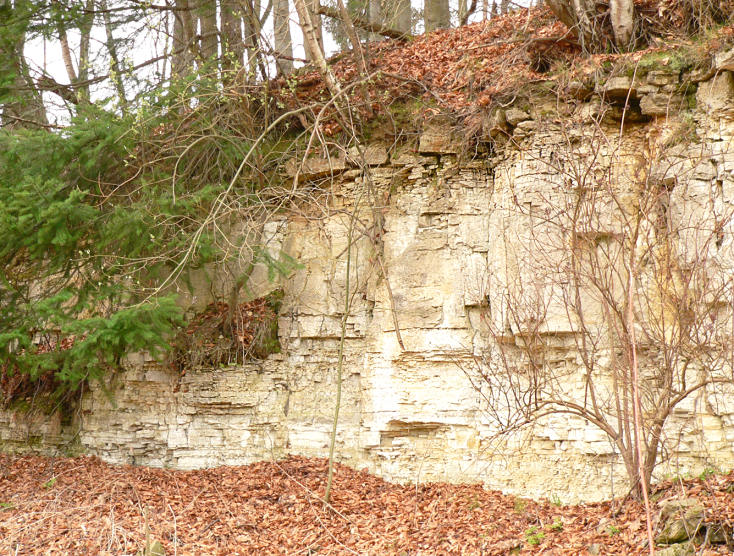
<point>435,242</point>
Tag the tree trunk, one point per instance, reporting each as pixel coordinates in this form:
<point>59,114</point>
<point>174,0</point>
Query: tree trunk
<point>251,20</point>
<point>66,54</point>
<point>283,42</point>
<point>207,13</point>
<point>462,10</point>
<point>184,31</point>
<point>403,17</point>
<point>23,105</point>
<point>436,14</point>
<point>580,17</point>
<point>315,51</point>
<point>85,31</point>
<point>315,24</point>
<point>233,51</point>
<point>622,15</point>
<point>375,17</point>
<point>116,73</point>
<point>365,25</point>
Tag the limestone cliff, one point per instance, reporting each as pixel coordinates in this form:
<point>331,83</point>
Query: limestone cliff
<point>437,243</point>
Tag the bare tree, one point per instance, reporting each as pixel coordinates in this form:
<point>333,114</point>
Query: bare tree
<point>116,73</point>
<point>612,301</point>
<point>282,31</point>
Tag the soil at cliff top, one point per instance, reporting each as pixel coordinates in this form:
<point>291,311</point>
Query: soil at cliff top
<point>84,506</point>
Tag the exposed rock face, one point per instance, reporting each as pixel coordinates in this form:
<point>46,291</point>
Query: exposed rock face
<point>433,249</point>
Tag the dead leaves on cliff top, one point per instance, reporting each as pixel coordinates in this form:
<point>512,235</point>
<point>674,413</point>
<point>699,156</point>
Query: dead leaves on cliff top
<point>457,70</point>
<point>454,67</point>
<point>84,506</point>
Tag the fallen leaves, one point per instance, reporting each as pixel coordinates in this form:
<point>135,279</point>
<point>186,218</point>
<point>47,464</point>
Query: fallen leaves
<point>275,508</point>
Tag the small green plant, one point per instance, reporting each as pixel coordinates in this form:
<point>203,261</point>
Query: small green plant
<point>557,525</point>
<point>474,503</point>
<point>707,472</point>
<point>612,530</point>
<point>555,500</point>
<point>6,506</point>
<point>533,536</point>
<point>50,483</point>
<point>519,506</point>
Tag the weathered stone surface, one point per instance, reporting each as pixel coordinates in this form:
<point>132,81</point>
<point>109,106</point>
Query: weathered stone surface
<point>579,90</point>
<point>724,60</point>
<point>680,520</point>
<point>438,138</point>
<point>619,88</point>
<point>495,124</point>
<point>660,78</point>
<point>373,155</point>
<point>660,104</point>
<point>314,168</point>
<point>514,116</point>
<point>717,94</point>
<point>680,549</point>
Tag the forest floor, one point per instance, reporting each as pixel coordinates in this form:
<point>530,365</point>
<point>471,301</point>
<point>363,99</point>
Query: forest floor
<point>84,506</point>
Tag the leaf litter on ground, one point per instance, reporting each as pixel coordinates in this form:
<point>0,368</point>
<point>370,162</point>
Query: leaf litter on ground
<point>275,508</point>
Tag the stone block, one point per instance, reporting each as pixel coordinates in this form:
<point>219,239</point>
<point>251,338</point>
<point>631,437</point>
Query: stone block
<point>494,124</point>
<point>373,155</point>
<point>661,78</point>
<point>717,94</point>
<point>724,60</point>
<point>438,138</point>
<point>579,90</point>
<point>660,104</point>
<point>514,116</point>
<point>619,88</point>
<point>680,520</point>
<point>315,168</point>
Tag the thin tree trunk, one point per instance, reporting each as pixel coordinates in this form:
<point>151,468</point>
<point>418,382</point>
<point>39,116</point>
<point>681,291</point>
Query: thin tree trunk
<point>251,20</point>
<point>403,17</point>
<point>436,15</point>
<point>116,73</point>
<point>233,50</point>
<point>207,13</point>
<point>622,15</point>
<point>461,10</point>
<point>316,53</point>
<point>467,14</point>
<point>283,41</point>
<point>25,109</point>
<point>182,62</point>
<point>374,17</point>
<point>85,31</point>
<point>314,13</point>
<point>357,47</point>
<point>364,24</point>
<point>580,17</point>
<point>66,54</point>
